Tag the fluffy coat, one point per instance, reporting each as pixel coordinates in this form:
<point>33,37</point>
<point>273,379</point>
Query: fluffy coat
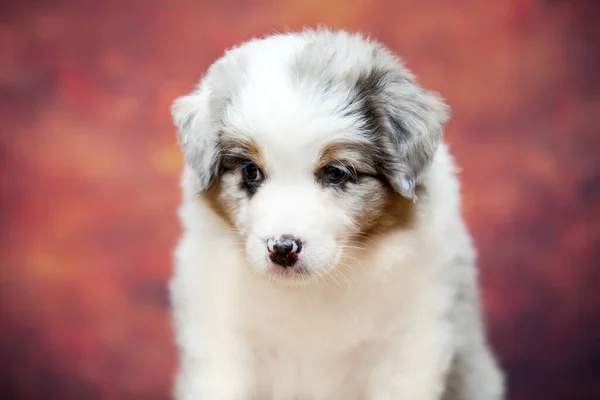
<point>382,303</point>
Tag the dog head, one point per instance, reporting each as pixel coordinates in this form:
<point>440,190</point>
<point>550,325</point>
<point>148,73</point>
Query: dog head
<point>306,143</point>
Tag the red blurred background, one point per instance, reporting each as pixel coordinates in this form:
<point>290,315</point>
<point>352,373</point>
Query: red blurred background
<point>89,176</point>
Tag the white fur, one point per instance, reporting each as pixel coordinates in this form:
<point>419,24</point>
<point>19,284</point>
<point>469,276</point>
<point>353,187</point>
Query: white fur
<point>396,320</point>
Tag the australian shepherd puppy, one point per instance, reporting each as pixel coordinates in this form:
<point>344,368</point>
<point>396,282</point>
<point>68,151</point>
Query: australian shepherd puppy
<point>324,256</point>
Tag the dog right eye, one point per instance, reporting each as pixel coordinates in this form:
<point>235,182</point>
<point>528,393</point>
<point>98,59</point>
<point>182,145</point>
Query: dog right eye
<point>252,173</point>
<point>334,175</point>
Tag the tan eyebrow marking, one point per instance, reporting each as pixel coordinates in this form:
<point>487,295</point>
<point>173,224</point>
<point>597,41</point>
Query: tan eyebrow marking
<point>235,149</point>
<point>358,155</point>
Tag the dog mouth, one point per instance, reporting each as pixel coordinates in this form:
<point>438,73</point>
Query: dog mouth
<point>296,271</point>
<point>292,263</point>
<point>301,270</point>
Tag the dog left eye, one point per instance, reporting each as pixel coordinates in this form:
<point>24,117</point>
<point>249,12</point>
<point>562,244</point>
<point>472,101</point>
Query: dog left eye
<point>334,175</point>
<point>252,173</point>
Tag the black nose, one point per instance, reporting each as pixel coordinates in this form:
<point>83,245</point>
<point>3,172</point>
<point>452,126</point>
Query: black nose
<point>284,251</point>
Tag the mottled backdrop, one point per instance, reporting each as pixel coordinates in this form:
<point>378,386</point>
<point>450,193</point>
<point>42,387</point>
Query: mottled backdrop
<point>89,171</point>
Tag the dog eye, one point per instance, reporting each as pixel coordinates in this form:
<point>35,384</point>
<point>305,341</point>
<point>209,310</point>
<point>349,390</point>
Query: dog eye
<point>252,173</point>
<point>335,175</point>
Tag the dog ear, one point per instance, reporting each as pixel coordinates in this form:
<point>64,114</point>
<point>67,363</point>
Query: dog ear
<point>197,135</point>
<point>407,122</point>
<point>415,119</point>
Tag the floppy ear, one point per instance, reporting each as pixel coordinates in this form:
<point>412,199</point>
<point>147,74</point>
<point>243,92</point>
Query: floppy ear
<point>415,119</point>
<point>197,135</point>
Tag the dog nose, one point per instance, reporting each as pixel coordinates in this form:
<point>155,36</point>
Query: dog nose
<point>284,251</point>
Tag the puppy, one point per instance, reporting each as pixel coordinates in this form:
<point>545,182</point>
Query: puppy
<point>323,256</point>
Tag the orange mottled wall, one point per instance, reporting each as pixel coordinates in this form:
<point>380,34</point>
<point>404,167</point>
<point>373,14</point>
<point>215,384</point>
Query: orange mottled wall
<point>89,175</point>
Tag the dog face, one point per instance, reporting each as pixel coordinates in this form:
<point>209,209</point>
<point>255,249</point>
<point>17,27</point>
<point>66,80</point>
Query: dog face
<point>308,143</point>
